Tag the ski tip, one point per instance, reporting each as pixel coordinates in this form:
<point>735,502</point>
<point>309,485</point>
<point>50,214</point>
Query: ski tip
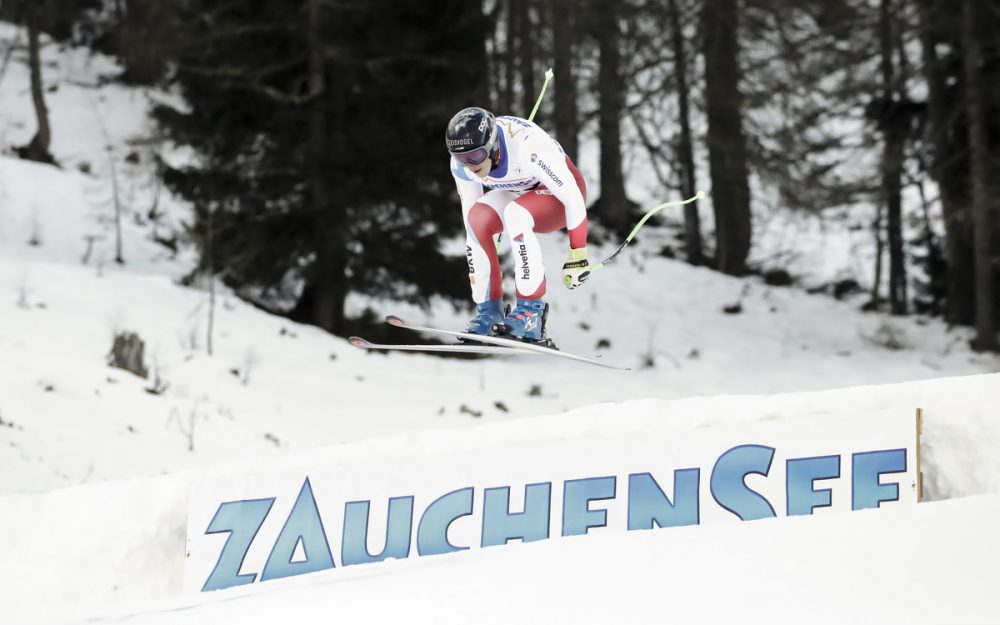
<point>393,320</point>
<point>357,341</point>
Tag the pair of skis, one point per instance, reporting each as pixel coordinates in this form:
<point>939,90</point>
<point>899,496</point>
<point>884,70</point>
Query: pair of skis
<point>496,345</point>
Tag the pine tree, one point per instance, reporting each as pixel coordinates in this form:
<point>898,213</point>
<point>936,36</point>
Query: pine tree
<point>321,163</point>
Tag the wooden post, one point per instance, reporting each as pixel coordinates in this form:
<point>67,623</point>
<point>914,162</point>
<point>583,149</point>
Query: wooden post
<point>920,473</point>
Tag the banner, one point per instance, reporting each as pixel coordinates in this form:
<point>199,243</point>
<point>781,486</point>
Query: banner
<point>252,528</point>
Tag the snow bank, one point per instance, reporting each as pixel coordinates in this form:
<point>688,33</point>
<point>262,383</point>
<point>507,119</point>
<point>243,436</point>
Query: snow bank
<point>932,563</point>
<point>122,542</point>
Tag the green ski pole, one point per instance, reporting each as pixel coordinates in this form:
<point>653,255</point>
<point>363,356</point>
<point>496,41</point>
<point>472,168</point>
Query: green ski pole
<point>604,263</point>
<point>541,94</point>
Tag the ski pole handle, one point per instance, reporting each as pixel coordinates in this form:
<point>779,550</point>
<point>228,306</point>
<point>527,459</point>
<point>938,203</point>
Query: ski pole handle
<point>538,102</point>
<point>697,196</point>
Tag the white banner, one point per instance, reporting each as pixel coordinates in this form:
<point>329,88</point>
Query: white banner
<point>255,527</point>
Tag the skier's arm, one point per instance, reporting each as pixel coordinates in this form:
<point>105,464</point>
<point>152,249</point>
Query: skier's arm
<point>469,190</point>
<point>550,166</point>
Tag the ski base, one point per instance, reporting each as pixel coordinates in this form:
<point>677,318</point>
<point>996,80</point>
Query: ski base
<point>502,342</point>
<point>357,341</point>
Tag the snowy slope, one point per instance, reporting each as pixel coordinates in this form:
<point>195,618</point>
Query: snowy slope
<point>85,448</point>
<point>129,535</point>
<point>271,386</point>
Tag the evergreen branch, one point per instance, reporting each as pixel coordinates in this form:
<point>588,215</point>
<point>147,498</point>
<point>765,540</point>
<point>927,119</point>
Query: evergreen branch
<point>208,16</point>
<point>235,72</point>
<point>420,59</point>
<point>273,94</point>
<point>219,35</point>
<point>337,54</point>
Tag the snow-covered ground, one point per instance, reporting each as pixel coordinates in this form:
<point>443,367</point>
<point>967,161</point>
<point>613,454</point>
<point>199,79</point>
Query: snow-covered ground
<point>114,551</point>
<point>900,566</point>
<point>84,446</point>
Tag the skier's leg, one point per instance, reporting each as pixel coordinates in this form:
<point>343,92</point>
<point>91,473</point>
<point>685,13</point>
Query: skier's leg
<point>533,212</point>
<point>481,253</point>
<point>529,267</point>
<point>526,320</point>
<point>482,222</point>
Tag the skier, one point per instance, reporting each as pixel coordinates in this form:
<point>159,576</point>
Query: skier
<point>534,187</point>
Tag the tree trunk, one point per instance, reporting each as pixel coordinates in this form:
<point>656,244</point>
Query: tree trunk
<point>526,58</point>
<point>876,300</point>
<point>893,128</point>
<point>322,300</point>
<point>330,281</point>
<point>317,107</point>
<point>510,58</point>
<point>986,336</point>
<point>692,222</point>
<point>613,204</point>
<point>210,244</point>
<point>57,21</point>
<point>562,19</point>
<point>726,144</point>
<point>116,199</point>
<point>139,41</point>
<point>38,149</point>
<point>948,141</point>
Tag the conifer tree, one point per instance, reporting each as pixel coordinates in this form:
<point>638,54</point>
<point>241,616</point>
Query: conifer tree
<point>319,132</point>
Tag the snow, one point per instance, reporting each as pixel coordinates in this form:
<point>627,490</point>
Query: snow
<point>97,469</point>
<point>129,535</point>
<point>865,567</point>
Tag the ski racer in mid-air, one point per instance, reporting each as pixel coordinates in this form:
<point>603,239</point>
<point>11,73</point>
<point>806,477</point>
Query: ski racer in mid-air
<point>513,178</point>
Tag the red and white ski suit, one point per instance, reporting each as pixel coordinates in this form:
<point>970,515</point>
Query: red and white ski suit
<point>535,188</point>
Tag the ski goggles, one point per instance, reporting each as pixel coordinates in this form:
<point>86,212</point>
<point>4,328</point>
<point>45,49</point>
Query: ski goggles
<point>474,157</point>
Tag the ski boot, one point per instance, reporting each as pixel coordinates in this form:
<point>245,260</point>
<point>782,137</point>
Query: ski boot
<point>526,322</point>
<point>488,314</point>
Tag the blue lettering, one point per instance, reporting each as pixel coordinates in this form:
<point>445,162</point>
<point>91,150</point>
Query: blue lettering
<point>728,486</point>
<point>647,505</point>
<point>432,532</point>
<point>800,473</point>
<point>242,519</point>
<point>500,525</point>
<point>867,491</point>
<point>303,525</point>
<point>354,547</point>
<point>578,518</point>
